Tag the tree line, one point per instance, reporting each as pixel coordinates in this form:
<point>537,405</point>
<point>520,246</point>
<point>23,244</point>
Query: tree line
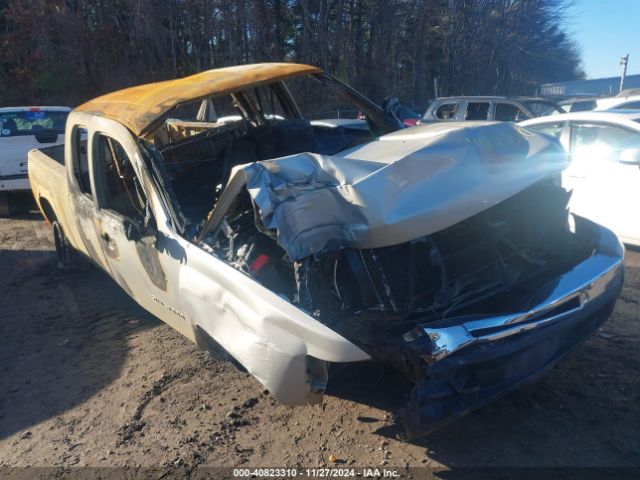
<point>67,51</point>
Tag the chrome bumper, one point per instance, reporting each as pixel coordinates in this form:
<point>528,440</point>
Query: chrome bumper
<point>596,279</point>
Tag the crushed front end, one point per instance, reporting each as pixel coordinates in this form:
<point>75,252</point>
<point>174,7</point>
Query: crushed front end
<point>445,251</point>
<point>468,312</point>
<point>475,310</point>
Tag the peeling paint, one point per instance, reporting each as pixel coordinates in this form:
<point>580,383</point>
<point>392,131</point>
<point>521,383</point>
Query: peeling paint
<point>148,256</point>
<point>139,108</point>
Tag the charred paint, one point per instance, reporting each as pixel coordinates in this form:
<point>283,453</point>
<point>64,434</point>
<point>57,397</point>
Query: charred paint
<point>148,255</point>
<point>139,108</point>
<point>84,220</point>
<point>108,245</point>
<point>171,247</point>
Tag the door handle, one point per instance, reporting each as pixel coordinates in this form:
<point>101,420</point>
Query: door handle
<point>110,246</point>
<point>108,241</point>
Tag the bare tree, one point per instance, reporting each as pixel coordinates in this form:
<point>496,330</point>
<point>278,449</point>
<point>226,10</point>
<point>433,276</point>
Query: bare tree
<point>71,50</point>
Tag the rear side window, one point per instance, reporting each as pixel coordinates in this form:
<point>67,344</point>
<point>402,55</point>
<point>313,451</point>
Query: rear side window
<point>316,99</point>
<point>29,122</point>
<point>540,108</point>
<point>223,110</point>
<point>447,111</point>
<point>216,109</point>
<point>120,187</point>
<point>268,101</point>
<point>507,112</point>
<point>187,112</point>
<point>477,111</point>
<point>80,159</point>
<point>554,129</point>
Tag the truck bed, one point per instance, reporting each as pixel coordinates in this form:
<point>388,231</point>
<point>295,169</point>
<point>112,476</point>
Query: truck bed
<point>47,176</point>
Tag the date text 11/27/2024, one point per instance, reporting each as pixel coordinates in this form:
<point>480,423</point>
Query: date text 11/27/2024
<point>315,473</point>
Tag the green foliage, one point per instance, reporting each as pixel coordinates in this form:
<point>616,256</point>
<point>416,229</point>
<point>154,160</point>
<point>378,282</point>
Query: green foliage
<point>52,81</point>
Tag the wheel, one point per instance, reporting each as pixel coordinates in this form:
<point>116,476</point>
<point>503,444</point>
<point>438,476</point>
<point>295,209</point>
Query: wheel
<point>64,253</point>
<point>69,260</point>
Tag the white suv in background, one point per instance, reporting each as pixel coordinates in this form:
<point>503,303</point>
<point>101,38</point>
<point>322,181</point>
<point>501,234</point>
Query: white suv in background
<point>631,102</point>
<point>23,129</point>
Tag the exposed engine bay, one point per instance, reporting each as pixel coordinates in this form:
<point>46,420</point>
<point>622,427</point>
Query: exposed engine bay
<point>381,299</point>
<point>375,296</point>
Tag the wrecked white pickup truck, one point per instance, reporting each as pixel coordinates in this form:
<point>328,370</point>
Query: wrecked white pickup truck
<point>225,207</point>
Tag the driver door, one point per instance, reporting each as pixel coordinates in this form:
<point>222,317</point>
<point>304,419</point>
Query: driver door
<point>123,221</point>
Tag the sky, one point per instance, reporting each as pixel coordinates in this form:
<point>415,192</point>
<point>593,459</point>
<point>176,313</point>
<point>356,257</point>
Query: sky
<point>606,30</point>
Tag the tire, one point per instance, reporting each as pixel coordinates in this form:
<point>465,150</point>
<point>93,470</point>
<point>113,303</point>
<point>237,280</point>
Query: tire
<point>68,259</point>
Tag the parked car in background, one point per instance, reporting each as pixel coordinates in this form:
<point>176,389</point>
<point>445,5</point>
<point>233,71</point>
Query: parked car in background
<point>22,129</point>
<point>576,104</point>
<point>631,102</point>
<point>585,104</point>
<point>409,117</point>
<point>604,173</point>
<point>445,251</point>
<point>404,114</point>
<point>628,92</point>
<point>508,109</point>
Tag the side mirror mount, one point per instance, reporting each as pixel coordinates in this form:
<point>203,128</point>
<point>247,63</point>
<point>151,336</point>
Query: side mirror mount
<point>630,156</point>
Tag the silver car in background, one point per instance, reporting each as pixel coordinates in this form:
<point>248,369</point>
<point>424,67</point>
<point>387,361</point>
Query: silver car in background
<point>506,109</point>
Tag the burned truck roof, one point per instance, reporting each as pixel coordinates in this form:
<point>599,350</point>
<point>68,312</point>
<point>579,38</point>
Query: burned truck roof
<point>140,107</point>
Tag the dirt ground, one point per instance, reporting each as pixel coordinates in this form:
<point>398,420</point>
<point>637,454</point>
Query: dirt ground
<point>89,379</point>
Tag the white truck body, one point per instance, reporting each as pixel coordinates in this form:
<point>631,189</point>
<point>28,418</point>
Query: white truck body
<point>16,143</point>
<point>295,266</point>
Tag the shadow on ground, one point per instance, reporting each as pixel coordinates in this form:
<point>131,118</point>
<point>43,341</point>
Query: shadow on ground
<point>63,337</point>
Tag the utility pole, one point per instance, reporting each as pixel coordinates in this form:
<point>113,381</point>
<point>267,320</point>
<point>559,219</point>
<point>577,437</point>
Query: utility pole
<point>623,61</point>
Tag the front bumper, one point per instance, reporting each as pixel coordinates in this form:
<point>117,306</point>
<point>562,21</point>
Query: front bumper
<point>471,360</point>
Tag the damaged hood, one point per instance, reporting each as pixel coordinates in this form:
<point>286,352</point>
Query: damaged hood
<point>403,186</point>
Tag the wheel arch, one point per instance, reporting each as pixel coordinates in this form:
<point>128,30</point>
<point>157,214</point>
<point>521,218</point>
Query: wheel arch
<point>47,210</point>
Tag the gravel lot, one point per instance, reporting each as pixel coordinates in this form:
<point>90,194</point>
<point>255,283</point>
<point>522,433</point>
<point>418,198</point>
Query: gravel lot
<point>89,379</point>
